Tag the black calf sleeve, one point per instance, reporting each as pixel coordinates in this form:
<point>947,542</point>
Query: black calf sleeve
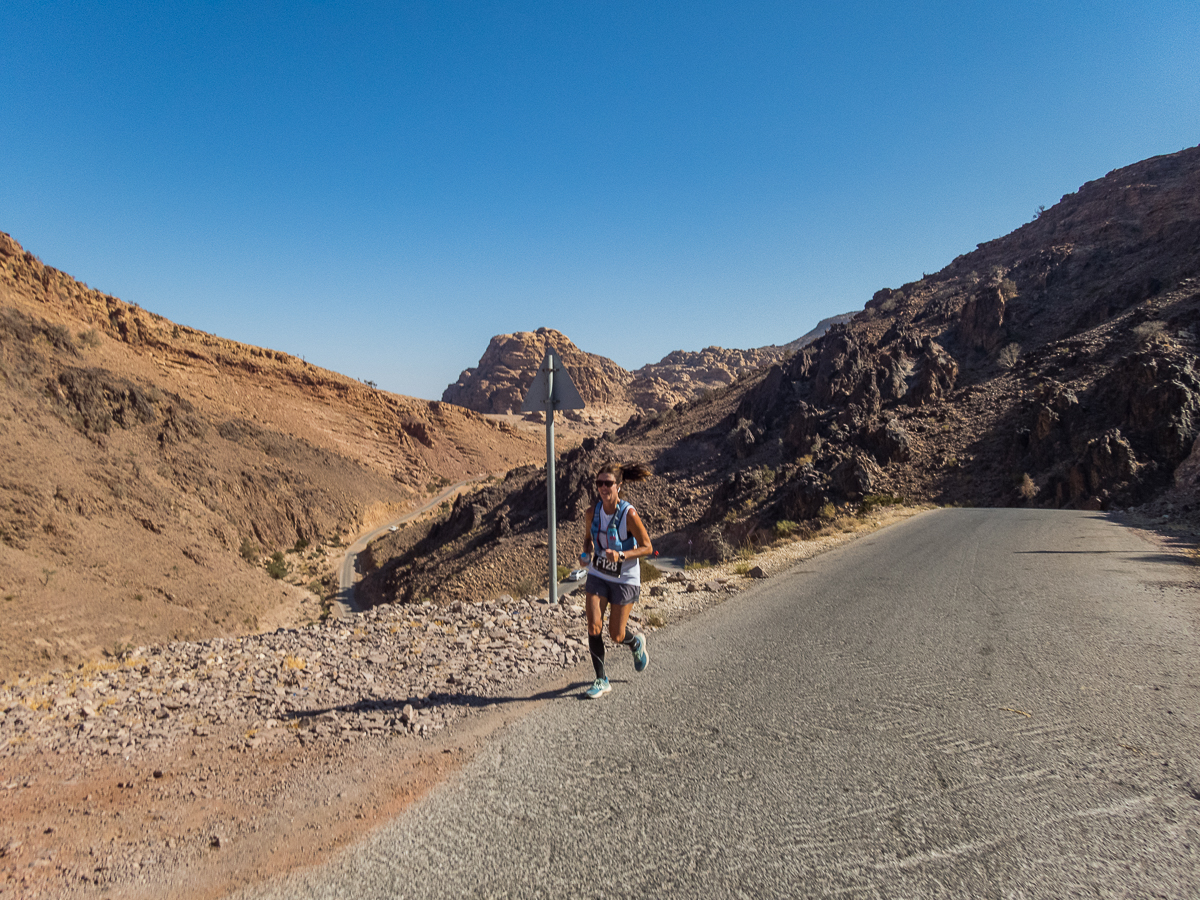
<point>630,639</point>
<point>596,645</point>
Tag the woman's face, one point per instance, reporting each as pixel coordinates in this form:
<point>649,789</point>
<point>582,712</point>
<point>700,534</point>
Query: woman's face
<point>606,484</point>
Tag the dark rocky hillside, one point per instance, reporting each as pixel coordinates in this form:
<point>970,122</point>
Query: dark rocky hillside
<point>1055,366</point>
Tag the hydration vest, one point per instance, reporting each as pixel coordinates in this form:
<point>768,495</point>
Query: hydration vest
<point>612,536</point>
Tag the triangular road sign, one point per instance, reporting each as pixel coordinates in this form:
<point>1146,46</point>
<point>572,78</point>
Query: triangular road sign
<point>565,396</point>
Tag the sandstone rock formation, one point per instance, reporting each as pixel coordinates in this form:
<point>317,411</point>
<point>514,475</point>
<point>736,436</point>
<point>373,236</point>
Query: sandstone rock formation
<point>501,380</point>
<point>683,375</point>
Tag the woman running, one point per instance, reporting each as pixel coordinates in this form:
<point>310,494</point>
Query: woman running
<point>615,541</point>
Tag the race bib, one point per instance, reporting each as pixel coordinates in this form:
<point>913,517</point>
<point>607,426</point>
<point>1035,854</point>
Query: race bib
<point>603,564</point>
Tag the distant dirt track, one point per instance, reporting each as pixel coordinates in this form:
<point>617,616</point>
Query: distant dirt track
<point>349,569</point>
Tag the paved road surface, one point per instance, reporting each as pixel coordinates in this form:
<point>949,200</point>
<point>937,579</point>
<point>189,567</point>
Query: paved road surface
<point>974,703</point>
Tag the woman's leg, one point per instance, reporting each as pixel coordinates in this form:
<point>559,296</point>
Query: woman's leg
<point>595,619</point>
<point>617,620</point>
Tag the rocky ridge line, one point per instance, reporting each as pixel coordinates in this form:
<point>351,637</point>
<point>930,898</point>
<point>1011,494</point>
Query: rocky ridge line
<point>499,382</point>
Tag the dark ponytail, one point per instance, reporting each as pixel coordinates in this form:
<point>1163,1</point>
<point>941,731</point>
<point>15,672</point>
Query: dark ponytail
<point>626,472</point>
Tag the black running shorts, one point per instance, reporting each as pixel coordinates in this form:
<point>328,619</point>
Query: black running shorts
<point>614,593</point>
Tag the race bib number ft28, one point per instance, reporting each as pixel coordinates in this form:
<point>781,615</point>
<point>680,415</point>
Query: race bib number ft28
<point>603,564</point>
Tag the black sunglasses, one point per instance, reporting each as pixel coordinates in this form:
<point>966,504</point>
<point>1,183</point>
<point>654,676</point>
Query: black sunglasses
<point>601,484</point>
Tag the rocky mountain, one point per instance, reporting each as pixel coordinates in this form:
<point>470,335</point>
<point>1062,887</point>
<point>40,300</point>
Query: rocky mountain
<point>1056,366</point>
<point>510,362</point>
<point>506,369</point>
<point>682,376</point>
<point>149,471</point>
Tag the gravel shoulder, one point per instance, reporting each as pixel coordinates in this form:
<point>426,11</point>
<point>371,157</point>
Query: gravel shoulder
<point>194,768</point>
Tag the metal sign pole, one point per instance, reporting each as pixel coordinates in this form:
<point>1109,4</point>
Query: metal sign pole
<point>551,389</point>
<point>550,499</point>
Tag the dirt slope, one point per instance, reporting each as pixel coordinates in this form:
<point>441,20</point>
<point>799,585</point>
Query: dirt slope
<point>141,461</point>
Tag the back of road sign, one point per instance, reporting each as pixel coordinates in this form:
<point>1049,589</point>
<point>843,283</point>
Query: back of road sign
<point>565,395</point>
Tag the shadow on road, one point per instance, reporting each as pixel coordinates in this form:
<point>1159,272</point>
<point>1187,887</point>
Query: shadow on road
<point>1168,559</point>
<point>440,699</point>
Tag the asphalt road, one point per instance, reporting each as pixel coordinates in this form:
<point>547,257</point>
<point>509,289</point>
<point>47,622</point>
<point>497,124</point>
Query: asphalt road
<point>973,703</point>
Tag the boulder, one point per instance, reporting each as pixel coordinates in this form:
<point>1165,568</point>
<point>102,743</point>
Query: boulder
<point>981,325</point>
<point>935,373</point>
<point>891,442</point>
<point>857,475</point>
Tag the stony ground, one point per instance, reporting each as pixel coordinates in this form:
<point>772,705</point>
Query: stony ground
<point>190,768</point>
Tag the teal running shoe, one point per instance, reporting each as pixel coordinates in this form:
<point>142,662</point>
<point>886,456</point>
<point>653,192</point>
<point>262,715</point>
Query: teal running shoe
<point>599,688</point>
<point>641,658</point>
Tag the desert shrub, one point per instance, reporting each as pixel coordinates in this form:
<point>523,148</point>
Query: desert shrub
<point>277,567</point>
<point>563,572</point>
<point>656,620</point>
<point>650,572</point>
<point>249,550</point>
<point>1008,288</point>
<point>1149,332</point>
<point>872,502</point>
<point>523,587</point>
<point>828,512</point>
<point>60,337</point>
<point>90,338</point>
<point>118,649</point>
<point>784,528</point>
<point>741,568</point>
<point>301,544</point>
<point>745,552</point>
<point>697,564</point>
<point>1009,355</point>
<point>1027,488</point>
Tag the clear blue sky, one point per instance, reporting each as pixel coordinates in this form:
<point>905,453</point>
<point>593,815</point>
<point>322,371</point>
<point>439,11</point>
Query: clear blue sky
<point>381,187</point>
